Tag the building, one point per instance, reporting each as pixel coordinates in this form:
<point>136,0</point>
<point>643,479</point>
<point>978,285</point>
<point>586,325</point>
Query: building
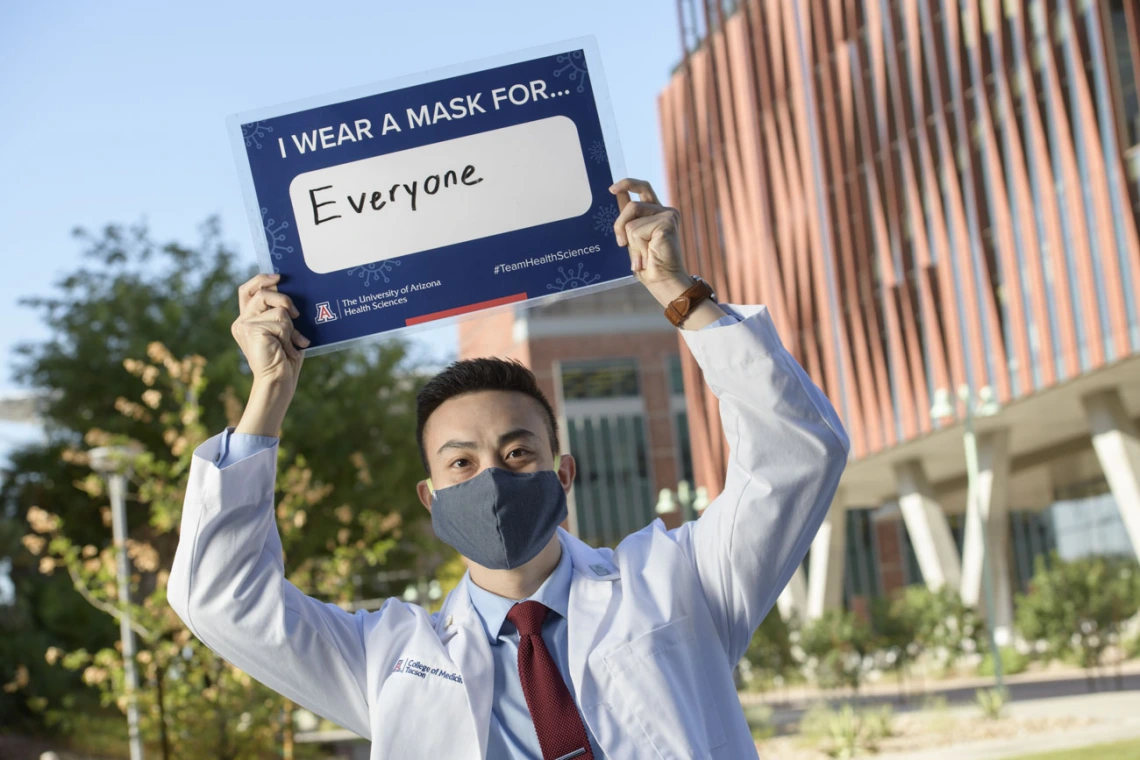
<point>610,364</point>
<point>929,194</point>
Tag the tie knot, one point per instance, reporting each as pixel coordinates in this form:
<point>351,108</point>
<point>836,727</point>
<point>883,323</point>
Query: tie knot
<point>528,617</point>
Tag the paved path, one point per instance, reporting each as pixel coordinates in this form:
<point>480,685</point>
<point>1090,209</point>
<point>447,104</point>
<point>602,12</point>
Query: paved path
<point>1117,713</point>
<point>789,707</point>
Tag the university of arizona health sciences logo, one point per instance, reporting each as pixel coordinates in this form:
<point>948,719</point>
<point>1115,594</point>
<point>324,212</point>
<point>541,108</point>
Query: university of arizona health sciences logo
<point>324,313</point>
<point>399,666</point>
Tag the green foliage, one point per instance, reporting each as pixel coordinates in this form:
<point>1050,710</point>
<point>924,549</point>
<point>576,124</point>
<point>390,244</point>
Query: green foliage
<point>1132,647</point>
<point>942,624</point>
<point>895,625</point>
<point>837,645</point>
<point>1126,750</point>
<point>191,700</point>
<point>1012,662</point>
<point>991,702</point>
<point>759,717</point>
<point>770,653</point>
<point>1077,608</point>
<point>847,732</point>
<point>132,296</point>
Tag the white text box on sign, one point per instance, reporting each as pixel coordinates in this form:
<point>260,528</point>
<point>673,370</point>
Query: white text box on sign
<point>440,194</point>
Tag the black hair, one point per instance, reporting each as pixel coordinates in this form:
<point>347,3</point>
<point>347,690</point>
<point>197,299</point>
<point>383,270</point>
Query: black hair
<point>472,376</point>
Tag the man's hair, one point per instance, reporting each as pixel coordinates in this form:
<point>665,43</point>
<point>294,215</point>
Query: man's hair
<point>472,376</point>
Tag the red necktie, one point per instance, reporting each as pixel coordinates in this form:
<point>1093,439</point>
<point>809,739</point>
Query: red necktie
<point>561,733</point>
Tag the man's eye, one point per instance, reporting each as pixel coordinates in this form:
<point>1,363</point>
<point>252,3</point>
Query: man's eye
<point>460,463</point>
<point>516,453</point>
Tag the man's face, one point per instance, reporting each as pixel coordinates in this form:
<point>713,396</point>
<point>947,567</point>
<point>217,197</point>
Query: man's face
<point>504,429</point>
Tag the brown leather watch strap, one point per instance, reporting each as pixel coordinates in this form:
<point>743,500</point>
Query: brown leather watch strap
<point>683,305</point>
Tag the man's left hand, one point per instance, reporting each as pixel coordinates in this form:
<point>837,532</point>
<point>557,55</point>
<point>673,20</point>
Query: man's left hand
<point>650,232</point>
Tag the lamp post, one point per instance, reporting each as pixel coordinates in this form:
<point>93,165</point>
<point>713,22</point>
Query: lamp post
<point>691,502</point>
<point>985,405</point>
<point>114,464</point>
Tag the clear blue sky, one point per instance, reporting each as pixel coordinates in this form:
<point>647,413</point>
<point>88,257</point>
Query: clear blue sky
<point>115,112</point>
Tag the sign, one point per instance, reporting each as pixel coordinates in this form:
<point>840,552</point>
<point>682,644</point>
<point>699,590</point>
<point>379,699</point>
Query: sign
<point>398,205</point>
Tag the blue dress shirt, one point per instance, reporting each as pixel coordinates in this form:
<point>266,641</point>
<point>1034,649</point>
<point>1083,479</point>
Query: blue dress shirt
<point>512,735</point>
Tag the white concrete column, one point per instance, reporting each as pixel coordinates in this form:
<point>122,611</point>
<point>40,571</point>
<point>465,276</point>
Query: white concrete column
<point>987,511</point>
<point>1117,444</point>
<point>792,601</point>
<point>927,527</point>
<point>827,561</point>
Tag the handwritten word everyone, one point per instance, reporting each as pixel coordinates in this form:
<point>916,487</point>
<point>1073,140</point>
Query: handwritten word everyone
<point>376,200</point>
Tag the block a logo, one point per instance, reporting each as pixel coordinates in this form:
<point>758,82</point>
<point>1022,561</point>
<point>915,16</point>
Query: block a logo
<point>324,313</point>
<point>399,666</point>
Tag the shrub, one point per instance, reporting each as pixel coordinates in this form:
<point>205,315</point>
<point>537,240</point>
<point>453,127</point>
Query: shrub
<point>1077,608</point>
<point>847,732</point>
<point>943,624</point>
<point>769,653</point>
<point>759,717</point>
<point>992,702</point>
<point>837,645</point>
<point>1012,662</point>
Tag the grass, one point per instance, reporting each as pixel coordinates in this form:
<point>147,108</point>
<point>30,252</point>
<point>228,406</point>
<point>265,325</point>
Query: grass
<point>1127,750</point>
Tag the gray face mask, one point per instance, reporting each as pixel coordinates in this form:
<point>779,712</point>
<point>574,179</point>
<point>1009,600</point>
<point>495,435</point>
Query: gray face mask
<point>499,519</point>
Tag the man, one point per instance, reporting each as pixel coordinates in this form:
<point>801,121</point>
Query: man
<point>548,649</point>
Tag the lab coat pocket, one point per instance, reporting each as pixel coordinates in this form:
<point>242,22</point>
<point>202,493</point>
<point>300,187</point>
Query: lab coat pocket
<point>662,686</point>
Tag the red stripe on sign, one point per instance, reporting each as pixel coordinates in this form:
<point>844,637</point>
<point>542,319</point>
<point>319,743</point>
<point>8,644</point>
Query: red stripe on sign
<point>466,309</point>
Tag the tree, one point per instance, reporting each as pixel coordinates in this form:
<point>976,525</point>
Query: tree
<point>352,423</point>
<point>191,696</point>
<point>1078,607</point>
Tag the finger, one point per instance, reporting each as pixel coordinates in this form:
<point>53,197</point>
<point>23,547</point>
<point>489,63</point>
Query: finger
<point>639,231</point>
<point>251,287</point>
<point>633,210</point>
<point>643,189</point>
<point>283,331</point>
<point>300,340</point>
<point>269,299</point>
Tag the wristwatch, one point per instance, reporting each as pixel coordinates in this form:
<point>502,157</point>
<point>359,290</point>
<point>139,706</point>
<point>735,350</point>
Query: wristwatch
<point>683,305</point>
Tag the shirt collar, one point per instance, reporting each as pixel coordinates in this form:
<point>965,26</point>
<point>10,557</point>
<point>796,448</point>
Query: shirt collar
<point>554,593</point>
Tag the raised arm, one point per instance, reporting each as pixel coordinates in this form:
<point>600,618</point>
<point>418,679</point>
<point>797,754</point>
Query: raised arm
<point>228,580</point>
<point>787,446</point>
<point>787,450</point>
<point>228,585</point>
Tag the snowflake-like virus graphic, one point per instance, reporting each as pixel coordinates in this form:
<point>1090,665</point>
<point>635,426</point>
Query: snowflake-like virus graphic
<point>598,152</point>
<point>574,67</point>
<point>254,132</point>
<point>275,234</point>
<point>605,217</point>
<point>377,270</point>
<point>573,278</point>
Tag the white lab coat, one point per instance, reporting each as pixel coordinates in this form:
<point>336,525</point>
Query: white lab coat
<point>655,626</point>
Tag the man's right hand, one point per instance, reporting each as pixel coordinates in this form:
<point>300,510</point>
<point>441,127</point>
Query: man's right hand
<point>264,332</point>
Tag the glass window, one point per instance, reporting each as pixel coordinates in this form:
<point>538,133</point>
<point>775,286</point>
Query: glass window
<point>613,492</point>
<point>684,446</point>
<point>608,378</point>
<point>676,376</point>
<point>1127,62</point>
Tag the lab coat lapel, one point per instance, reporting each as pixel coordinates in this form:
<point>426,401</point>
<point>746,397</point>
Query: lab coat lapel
<point>591,589</point>
<point>462,635</point>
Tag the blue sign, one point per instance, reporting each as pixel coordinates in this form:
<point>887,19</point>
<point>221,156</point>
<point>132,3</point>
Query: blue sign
<point>399,205</point>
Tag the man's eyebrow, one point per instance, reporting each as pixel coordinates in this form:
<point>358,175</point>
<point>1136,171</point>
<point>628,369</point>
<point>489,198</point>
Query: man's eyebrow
<point>504,438</point>
<point>456,445</point>
<point>516,434</point>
